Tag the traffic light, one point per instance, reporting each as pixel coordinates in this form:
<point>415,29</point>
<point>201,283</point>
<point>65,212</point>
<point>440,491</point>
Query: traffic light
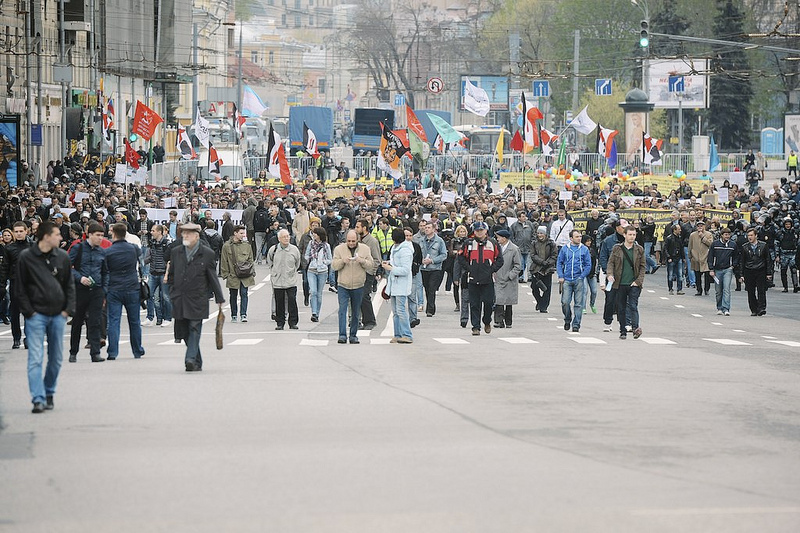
<point>132,138</point>
<point>644,35</point>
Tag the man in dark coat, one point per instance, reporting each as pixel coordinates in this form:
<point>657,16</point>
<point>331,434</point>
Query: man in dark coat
<point>191,277</point>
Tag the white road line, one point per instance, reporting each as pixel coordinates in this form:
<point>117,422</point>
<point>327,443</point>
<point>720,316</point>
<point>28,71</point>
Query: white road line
<point>738,331</point>
<point>656,340</point>
<point>518,340</point>
<point>256,287</point>
<point>696,315</point>
<point>380,341</point>
<point>245,342</point>
<point>388,331</point>
<point>716,323</point>
<point>664,298</point>
<point>679,306</point>
<point>650,291</point>
<point>170,342</point>
<point>729,342</point>
<point>313,342</point>
<point>552,319</point>
<point>450,340</point>
<point>768,337</point>
<point>696,511</point>
<point>6,332</point>
<point>587,340</point>
<point>377,299</point>
<point>793,344</point>
<point>265,280</point>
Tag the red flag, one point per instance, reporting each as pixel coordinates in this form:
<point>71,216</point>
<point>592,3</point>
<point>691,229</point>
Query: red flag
<point>516,142</point>
<point>214,161</point>
<point>131,155</point>
<point>238,122</point>
<point>184,144</point>
<point>145,121</point>
<point>530,129</point>
<point>310,141</point>
<point>415,125</point>
<point>278,166</point>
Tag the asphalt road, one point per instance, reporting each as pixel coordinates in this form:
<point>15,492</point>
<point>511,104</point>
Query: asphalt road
<point>695,427</point>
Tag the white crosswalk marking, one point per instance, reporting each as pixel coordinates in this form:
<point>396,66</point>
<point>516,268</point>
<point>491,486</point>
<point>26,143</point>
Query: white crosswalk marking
<point>450,340</point>
<point>664,298</point>
<point>729,342</point>
<point>383,340</point>
<point>768,337</point>
<point>696,315</point>
<point>738,331</point>
<point>793,344</point>
<point>587,340</point>
<point>716,323</point>
<point>245,342</point>
<point>256,287</point>
<point>552,319</point>
<point>170,342</point>
<point>650,291</point>
<point>518,340</point>
<point>656,340</point>
<point>363,333</point>
<point>313,342</point>
<point>679,306</point>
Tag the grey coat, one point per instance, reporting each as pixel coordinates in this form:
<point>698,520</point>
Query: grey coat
<point>506,284</point>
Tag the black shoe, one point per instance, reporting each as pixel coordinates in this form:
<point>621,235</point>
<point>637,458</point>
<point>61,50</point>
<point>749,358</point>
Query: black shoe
<point>354,340</point>
<point>796,290</point>
<point>50,405</point>
<point>476,331</point>
<point>293,327</point>
<point>342,341</point>
<point>332,289</point>
<point>368,326</point>
<point>159,322</point>
<point>637,332</point>
<point>785,290</point>
<point>575,330</point>
<point>114,358</point>
<point>15,346</point>
<point>542,310</point>
<point>73,358</point>
<point>537,307</point>
<point>6,321</point>
<point>87,347</point>
<point>191,367</point>
<point>428,315</point>
<point>463,324</point>
<point>655,269</point>
<point>487,328</point>
<point>457,308</point>
<point>272,317</point>
<point>762,313</point>
<point>500,326</point>
<point>566,326</point>
<point>698,293</point>
<point>623,336</point>
<point>278,328</point>
<point>314,318</point>
<point>305,301</point>
<point>753,314</point>
<point>25,343</point>
<point>416,322</point>
<point>97,359</point>
<point>38,407</point>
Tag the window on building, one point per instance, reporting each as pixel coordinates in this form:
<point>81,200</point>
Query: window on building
<point>298,21</point>
<point>297,4</point>
<point>254,56</point>
<point>271,57</point>
<point>321,83</point>
<point>231,38</point>
<point>310,2</point>
<point>311,20</point>
<point>283,19</point>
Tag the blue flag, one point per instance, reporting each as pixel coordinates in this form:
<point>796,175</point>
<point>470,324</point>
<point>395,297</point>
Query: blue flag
<point>612,157</point>
<point>713,159</point>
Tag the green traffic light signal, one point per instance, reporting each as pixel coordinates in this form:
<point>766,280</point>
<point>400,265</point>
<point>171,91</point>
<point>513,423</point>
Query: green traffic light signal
<point>644,35</point>
<point>644,42</point>
<point>133,137</point>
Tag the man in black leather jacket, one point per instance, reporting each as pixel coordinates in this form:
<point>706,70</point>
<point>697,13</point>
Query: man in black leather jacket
<point>754,272</point>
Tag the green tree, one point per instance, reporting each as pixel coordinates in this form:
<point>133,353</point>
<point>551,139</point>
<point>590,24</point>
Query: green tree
<point>731,86</point>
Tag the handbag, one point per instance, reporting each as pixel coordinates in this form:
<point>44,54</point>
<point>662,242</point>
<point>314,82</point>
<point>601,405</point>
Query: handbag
<point>144,293</point>
<point>384,295</point>
<point>244,269</point>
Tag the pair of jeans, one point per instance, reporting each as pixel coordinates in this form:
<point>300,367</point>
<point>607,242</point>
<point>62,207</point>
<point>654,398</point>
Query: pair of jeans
<point>402,325</point>
<point>675,273</point>
<point>755,282</point>
<point>159,296</point>
<point>260,239</point>
<point>723,288</point>
<point>431,280</point>
<point>481,303</point>
<point>37,327</point>
<point>332,276</point>
<point>367,313</point>
<point>281,297</point>
<point>89,309</point>
<point>573,298</point>
<point>463,291</point>
<point>650,262</point>
<point>353,298</point>
<point>542,297</point>
<point>503,315</point>
<point>689,272</point>
<point>115,300</point>
<point>525,257</point>
<point>190,330</point>
<point>628,307</point>
<point>242,295</point>
<point>415,298</point>
<point>316,286</point>
<point>591,289</point>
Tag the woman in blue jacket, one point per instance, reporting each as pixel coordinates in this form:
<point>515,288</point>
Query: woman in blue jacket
<point>398,284</point>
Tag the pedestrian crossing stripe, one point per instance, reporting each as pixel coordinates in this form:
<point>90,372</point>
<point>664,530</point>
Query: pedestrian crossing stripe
<point>656,340</point>
<point>450,340</point>
<point>313,342</point>
<point>245,342</point>
<point>587,340</point>
<point>793,344</point>
<point>518,340</point>
<point>729,342</point>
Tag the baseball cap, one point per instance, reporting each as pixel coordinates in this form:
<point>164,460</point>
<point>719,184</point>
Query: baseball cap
<point>479,226</point>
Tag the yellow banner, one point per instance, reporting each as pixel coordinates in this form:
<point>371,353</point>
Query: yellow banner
<point>537,179</point>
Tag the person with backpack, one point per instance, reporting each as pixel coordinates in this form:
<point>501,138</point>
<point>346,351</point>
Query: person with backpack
<point>213,238</point>
<point>261,225</point>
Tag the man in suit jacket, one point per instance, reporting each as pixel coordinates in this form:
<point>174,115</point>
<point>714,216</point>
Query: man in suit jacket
<point>191,275</point>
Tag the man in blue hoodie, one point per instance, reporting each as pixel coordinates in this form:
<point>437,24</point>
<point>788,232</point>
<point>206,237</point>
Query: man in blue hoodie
<point>573,265</point>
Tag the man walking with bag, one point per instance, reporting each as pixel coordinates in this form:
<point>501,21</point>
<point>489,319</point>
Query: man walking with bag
<point>238,271</point>
<point>626,268</point>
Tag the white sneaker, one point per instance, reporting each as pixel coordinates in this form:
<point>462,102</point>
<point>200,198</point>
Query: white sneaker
<point>233,319</point>
<point>244,318</point>
<point>166,323</point>
<point>608,327</point>
<point>727,313</point>
<point>719,312</point>
<point>148,322</point>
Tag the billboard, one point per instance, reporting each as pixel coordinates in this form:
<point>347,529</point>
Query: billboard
<point>695,94</point>
<point>495,86</point>
<point>791,134</point>
<point>9,150</point>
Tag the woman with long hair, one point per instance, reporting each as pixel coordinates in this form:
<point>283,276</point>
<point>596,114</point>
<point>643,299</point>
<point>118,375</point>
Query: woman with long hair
<point>318,257</point>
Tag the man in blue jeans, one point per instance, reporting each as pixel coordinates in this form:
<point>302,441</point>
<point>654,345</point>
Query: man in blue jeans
<point>723,257</point>
<point>159,291</point>
<point>351,260</point>
<point>45,293</point>
<point>574,263</point>
<point>122,260</point>
<point>626,268</point>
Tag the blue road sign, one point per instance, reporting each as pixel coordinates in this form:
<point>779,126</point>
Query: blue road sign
<point>602,87</point>
<point>676,84</point>
<point>399,100</point>
<point>36,134</point>
<point>541,88</point>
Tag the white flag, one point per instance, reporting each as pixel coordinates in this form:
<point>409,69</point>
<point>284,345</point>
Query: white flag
<point>201,129</point>
<point>582,123</point>
<point>476,100</point>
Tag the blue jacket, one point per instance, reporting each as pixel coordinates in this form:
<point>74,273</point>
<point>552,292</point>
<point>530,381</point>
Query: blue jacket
<point>605,249</point>
<point>399,279</point>
<point>434,248</point>
<point>574,262</point>
<point>89,262</point>
<point>122,260</point>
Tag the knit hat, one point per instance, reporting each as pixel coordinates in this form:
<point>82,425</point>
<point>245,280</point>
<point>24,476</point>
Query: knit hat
<point>542,229</point>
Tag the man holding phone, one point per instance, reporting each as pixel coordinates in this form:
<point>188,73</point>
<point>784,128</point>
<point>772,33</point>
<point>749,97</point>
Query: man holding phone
<point>351,261</point>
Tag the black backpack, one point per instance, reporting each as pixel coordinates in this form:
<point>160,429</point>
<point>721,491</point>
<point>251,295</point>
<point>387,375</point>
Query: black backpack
<point>261,220</point>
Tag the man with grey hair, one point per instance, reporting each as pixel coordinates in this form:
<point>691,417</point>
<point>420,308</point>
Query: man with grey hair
<point>283,261</point>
